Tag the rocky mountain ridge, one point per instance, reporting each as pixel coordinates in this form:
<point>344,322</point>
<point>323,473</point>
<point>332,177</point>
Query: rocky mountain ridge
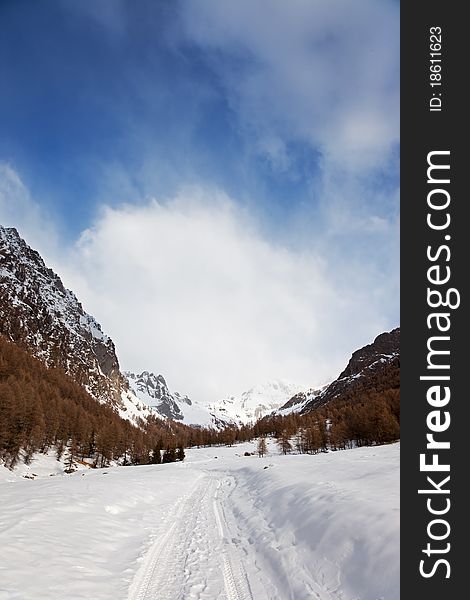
<point>153,390</point>
<point>376,366</point>
<point>39,314</point>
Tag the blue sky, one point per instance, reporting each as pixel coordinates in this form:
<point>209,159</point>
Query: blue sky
<point>287,113</point>
<point>83,93</point>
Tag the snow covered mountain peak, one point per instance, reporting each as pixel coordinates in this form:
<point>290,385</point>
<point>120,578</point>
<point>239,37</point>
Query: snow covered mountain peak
<point>153,391</point>
<point>256,402</point>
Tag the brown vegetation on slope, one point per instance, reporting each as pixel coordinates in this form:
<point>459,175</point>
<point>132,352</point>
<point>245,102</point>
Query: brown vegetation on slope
<point>42,408</point>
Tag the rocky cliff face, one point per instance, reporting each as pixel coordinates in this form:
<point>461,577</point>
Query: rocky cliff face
<point>299,401</point>
<point>153,391</point>
<point>39,314</point>
<point>374,357</point>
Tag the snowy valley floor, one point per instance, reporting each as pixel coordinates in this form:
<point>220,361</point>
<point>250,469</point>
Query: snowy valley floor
<point>306,527</point>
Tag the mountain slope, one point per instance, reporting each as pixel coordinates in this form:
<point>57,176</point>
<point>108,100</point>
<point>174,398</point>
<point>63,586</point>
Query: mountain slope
<point>375,367</point>
<point>297,403</point>
<point>44,412</point>
<point>153,390</point>
<point>39,314</point>
<point>255,403</point>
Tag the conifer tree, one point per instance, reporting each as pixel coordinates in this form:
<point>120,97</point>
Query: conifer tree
<point>169,455</point>
<point>157,453</point>
<point>70,463</point>
<point>262,448</point>
<point>284,442</point>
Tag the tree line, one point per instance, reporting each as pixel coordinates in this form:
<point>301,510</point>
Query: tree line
<point>362,414</point>
<point>43,409</point>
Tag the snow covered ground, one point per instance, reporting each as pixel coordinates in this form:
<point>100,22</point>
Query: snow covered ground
<point>218,526</point>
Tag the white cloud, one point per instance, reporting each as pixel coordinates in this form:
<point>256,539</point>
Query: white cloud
<point>190,288</point>
<point>323,71</point>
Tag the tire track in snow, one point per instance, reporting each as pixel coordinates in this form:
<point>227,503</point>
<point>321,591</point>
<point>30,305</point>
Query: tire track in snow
<point>190,557</point>
<point>144,585</point>
<point>236,582</point>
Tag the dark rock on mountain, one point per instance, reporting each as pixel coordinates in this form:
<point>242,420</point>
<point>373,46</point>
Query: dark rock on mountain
<point>40,315</point>
<point>297,402</point>
<point>373,367</point>
<point>154,391</point>
<point>385,348</point>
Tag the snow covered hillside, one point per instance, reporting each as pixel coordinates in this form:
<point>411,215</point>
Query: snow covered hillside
<point>153,391</point>
<point>255,403</point>
<point>298,402</point>
<point>220,526</point>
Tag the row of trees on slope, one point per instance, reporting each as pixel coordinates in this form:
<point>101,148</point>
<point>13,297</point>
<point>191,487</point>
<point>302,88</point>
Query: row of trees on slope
<point>371,421</point>
<point>363,414</point>
<point>43,409</point>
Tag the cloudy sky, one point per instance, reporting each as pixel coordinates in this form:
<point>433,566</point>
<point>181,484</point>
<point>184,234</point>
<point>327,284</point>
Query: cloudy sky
<point>217,181</point>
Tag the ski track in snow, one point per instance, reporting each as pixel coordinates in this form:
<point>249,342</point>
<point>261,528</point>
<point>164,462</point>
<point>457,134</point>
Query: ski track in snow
<point>195,558</point>
<point>237,586</point>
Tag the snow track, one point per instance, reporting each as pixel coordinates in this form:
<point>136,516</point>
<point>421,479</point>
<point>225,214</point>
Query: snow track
<point>236,582</point>
<point>194,557</point>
